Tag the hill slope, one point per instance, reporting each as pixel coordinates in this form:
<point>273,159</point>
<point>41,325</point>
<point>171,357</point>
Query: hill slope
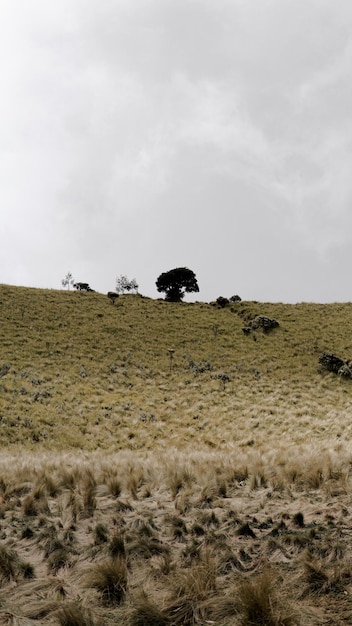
<point>78,371</point>
<point>210,487</point>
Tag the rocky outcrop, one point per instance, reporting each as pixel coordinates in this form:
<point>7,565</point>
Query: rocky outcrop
<point>266,324</point>
<point>335,364</point>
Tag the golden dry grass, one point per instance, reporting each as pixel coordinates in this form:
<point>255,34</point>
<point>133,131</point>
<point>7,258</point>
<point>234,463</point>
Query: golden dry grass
<point>85,373</point>
<point>221,549</point>
<point>212,488</point>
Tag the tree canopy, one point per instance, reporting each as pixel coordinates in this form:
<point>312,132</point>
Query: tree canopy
<point>175,283</point>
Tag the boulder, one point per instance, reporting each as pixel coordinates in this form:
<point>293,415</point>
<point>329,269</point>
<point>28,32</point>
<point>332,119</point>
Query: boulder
<point>335,364</point>
<point>263,322</point>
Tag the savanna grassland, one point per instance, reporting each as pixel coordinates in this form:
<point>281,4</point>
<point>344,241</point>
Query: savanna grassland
<point>158,466</point>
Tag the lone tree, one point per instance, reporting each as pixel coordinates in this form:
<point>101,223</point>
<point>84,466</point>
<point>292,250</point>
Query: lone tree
<point>176,283</point>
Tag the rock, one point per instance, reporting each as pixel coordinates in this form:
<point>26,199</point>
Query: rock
<point>4,369</point>
<point>331,362</point>
<point>345,371</point>
<point>263,322</point>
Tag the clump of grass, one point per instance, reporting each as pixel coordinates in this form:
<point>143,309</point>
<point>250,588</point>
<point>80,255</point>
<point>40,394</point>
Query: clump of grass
<point>134,480</point>
<point>9,562</point>
<point>178,526</point>
<point>73,614</point>
<point>315,576</point>
<point>47,484</point>
<point>60,557</point>
<point>179,478</point>
<point>101,534</point>
<point>114,486</point>
<point>298,519</point>
<point>48,540</point>
<point>322,578</point>
<point>259,602</point>
<point>35,503</point>
<point>12,567</point>
<point>191,589</point>
<point>89,496</point>
<point>117,547</point>
<point>27,570</point>
<point>147,613</point>
<point>109,578</point>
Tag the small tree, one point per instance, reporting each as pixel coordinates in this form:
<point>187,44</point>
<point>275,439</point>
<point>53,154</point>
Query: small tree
<point>175,283</point>
<point>68,281</point>
<point>124,284</point>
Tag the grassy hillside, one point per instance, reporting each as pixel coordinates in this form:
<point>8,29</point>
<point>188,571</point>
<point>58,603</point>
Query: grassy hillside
<point>84,373</point>
<point>212,488</point>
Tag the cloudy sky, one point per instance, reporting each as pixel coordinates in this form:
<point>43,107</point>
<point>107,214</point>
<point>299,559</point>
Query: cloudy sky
<point>141,135</point>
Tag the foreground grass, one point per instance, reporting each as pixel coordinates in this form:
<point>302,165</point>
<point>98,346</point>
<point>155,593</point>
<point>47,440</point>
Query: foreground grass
<point>134,538</point>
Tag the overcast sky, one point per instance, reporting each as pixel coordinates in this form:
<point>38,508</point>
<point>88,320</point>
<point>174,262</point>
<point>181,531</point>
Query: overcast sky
<point>141,135</point>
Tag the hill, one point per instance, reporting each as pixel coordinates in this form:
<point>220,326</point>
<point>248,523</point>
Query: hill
<point>78,371</point>
<point>159,466</point>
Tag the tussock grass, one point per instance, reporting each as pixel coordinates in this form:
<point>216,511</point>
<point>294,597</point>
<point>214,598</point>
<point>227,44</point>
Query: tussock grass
<point>190,592</point>
<point>220,487</point>
<point>109,578</point>
<point>74,615</point>
<point>224,556</point>
<point>259,602</point>
<point>146,613</point>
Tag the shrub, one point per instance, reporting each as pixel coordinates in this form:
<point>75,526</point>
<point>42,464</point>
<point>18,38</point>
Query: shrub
<point>222,302</point>
<point>83,287</point>
<point>235,299</point>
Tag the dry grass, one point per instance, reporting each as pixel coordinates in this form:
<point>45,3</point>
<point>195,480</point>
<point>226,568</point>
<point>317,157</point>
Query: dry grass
<point>241,556</point>
<point>217,492</point>
<point>81,370</point>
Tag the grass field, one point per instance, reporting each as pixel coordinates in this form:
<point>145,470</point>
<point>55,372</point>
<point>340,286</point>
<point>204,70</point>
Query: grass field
<point>160,466</point>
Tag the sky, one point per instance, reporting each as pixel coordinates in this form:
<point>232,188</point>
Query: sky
<point>137,136</point>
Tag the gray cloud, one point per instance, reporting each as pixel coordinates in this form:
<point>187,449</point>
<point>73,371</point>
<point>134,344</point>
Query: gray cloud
<point>137,136</point>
